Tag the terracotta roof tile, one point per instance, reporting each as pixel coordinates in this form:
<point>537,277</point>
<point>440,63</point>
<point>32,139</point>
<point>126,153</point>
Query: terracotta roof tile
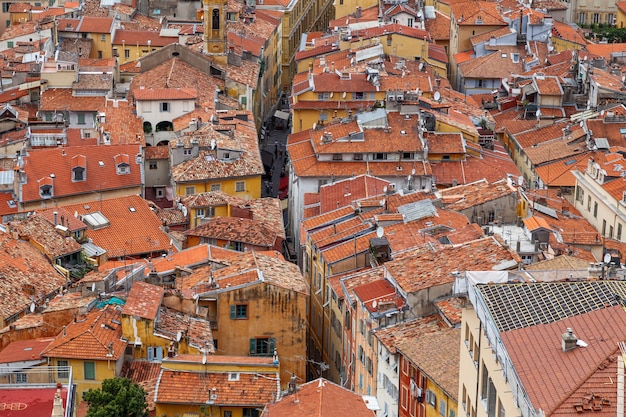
<point>252,266</point>
<point>148,94</point>
<point>236,229</point>
<point>24,350</point>
<point>536,363</point>
<point>39,164</point>
<point>437,355</point>
<point>90,338</point>
<point>44,234</point>
<point>197,331</point>
<point>27,276</point>
<point>143,300</point>
<point>451,309</point>
<point>130,233</point>
<point>379,293</point>
<point>61,99</point>
<point>485,254</point>
<point>194,388</point>
<point>462,197</point>
<point>345,191</point>
<point>320,398</point>
<point>410,330</point>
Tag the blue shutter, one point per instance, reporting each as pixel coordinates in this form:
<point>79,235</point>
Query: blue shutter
<point>252,346</point>
<point>233,311</point>
<point>272,346</point>
<point>150,354</point>
<point>159,354</point>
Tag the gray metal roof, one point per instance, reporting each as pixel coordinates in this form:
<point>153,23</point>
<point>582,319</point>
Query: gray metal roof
<point>417,210</point>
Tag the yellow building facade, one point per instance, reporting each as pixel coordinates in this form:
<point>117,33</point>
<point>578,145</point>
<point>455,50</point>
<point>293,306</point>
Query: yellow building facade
<point>247,188</point>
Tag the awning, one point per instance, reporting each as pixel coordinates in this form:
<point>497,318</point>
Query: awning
<point>281,115</point>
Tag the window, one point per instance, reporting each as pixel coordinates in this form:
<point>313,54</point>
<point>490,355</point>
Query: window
<point>190,190</point>
<point>323,96</point>
<point>596,18</point>
<point>442,408</point>
<point>10,44</point>
<point>155,353</point>
<point>239,311</point>
<point>588,203</point>
<point>358,96</point>
<point>90,370</point>
<point>603,227</point>
<point>409,22</point>
<point>240,186</point>
<point>581,17</point>
<point>200,212</point>
<point>186,151</point>
<point>337,157</point>
<point>99,54</point>
<point>123,168</point>
<point>595,209</point>
<point>63,371</point>
<point>21,378</point>
<point>480,83</point>
<point>263,346</point>
<point>453,414</point>
<point>358,157</point>
<point>5,7</point>
<point>380,156</point>
<point>165,106</point>
<point>153,165</point>
<point>78,174</point>
<point>81,118</point>
<point>216,187</point>
<point>250,412</point>
<point>126,53</point>
<point>431,398</point>
<point>619,231</point>
<point>45,191</point>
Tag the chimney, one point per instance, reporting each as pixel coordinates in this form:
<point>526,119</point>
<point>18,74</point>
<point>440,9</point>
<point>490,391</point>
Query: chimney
<point>569,340</point>
<point>57,407</point>
<point>56,218</point>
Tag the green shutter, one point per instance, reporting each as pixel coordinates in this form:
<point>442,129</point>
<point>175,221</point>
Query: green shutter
<point>90,370</point>
<point>272,346</point>
<point>252,346</point>
<point>233,311</point>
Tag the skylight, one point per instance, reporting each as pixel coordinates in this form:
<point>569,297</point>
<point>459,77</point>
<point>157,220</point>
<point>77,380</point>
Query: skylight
<point>96,220</point>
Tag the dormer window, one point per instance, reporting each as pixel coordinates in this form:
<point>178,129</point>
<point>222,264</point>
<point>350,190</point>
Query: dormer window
<point>79,168</point>
<point>122,164</point>
<point>46,187</point>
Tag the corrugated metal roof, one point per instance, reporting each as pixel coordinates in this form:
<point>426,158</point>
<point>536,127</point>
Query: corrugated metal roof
<point>417,210</point>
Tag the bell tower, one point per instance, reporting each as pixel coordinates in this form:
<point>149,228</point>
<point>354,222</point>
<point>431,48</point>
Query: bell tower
<point>215,28</point>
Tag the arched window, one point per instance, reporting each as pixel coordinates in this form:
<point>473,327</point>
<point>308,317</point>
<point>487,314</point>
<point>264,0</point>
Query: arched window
<point>216,19</point>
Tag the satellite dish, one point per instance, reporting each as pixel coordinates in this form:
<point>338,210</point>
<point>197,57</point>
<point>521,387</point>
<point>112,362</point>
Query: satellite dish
<point>314,125</point>
<point>385,189</point>
<point>93,287</point>
<point>409,178</point>
<point>179,335</point>
<point>421,67</point>
<point>32,307</point>
<point>581,124</point>
<point>380,232</point>
<point>213,144</point>
<point>417,91</point>
<point>374,304</point>
<point>344,94</point>
<point>437,96</point>
<point>332,93</point>
<point>413,171</point>
<point>520,181</point>
<point>602,113</point>
<point>607,258</point>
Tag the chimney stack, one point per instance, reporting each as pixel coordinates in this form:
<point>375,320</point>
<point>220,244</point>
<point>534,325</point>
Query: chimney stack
<point>56,218</point>
<point>569,340</point>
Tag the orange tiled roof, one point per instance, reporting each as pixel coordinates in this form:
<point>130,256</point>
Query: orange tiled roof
<point>413,270</point>
<point>195,388</point>
<point>473,194</point>
<point>131,232</point>
<point>24,350</point>
<point>320,397</point>
<point>100,175</point>
<point>61,99</point>
<point>27,276</point>
<point>252,267</point>
<point>40,231</point>
<point>345,191</point>
<point>166,94</point>
<point>90,338</point>
<point>143,300</point>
